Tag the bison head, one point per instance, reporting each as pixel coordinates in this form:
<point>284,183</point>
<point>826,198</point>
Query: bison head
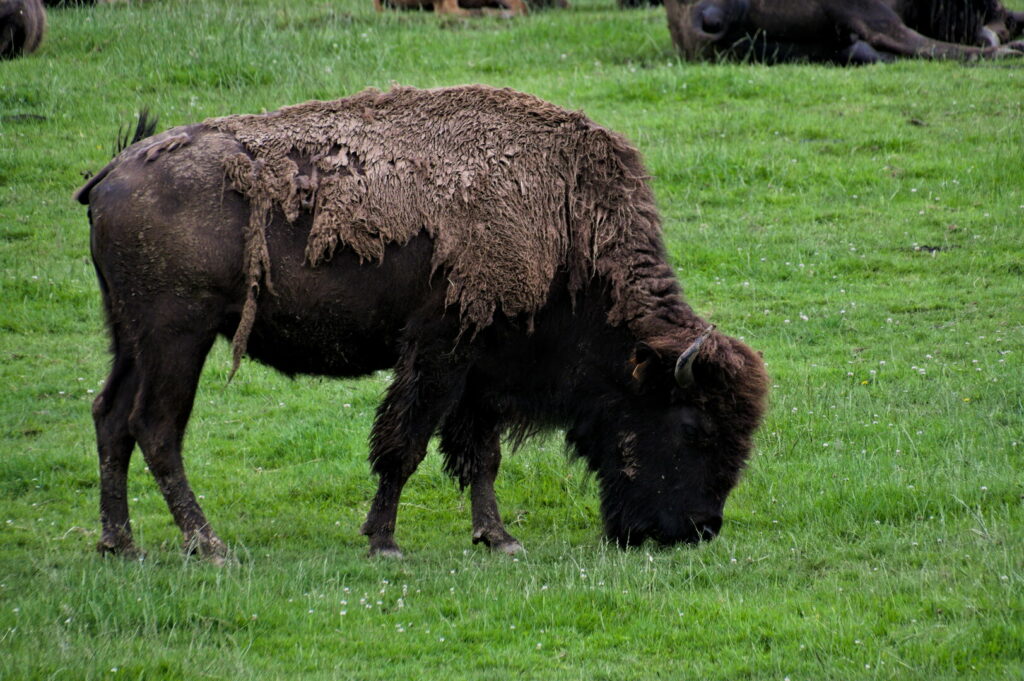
<point>698,27</point>
<point>668,455</point>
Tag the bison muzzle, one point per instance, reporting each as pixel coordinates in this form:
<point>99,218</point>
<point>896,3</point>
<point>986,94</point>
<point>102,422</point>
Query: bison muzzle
<point>503,255</point>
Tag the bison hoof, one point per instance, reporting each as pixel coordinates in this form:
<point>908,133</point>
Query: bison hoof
<point>208,547</point>
<point>509,548</point>
<point>128,550</point>
<point>499,541</point>
<point>384,547</point>
<point>388,553</point>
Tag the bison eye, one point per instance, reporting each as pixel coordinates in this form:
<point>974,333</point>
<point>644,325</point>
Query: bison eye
<point>712,20</point>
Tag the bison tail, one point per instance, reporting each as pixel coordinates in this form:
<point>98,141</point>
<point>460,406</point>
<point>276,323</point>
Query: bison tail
<point>144,128</point>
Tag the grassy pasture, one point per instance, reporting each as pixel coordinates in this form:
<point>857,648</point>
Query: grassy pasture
<point>861,227</point>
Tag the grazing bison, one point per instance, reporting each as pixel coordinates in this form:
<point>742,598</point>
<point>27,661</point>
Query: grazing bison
<point>843,32</point>
<point>456,7</point>
<point>22,24</point>
<point>502,254</point>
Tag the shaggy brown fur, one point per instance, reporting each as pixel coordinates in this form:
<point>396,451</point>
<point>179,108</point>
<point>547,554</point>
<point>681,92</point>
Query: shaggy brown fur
<point>510,189</point>
<point>22,24</point>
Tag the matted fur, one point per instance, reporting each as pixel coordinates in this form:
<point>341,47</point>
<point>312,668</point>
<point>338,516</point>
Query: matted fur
<point>510,188</point>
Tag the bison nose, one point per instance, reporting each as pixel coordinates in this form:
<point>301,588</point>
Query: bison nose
<point>712,20</point>
<point>708,527</point>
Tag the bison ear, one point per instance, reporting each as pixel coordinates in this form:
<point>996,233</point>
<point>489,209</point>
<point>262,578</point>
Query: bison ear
<point>644,361</point>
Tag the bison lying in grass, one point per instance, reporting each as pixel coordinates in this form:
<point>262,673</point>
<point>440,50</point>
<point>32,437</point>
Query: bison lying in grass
<point>22,24</point>
<point>456,7</point>
<point>841,31</point>
<point>502,254</point>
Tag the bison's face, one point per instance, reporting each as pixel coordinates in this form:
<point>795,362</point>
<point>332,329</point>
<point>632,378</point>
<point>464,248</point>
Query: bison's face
<point>700,27</point>
<point>668,457</point>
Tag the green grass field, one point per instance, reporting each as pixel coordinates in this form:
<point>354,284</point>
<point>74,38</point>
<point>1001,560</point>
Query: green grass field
<point>861,227</point>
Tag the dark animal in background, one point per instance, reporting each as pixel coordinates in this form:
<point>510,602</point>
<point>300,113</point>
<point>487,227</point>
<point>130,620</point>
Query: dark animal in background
<point>22,24</point>
<point>457,7</point>
<point>841,31</point>
<point>503,255</point>
<point>78,3</point>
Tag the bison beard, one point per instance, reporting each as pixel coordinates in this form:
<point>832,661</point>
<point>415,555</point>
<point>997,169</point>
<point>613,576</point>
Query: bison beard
<point>502,254</point>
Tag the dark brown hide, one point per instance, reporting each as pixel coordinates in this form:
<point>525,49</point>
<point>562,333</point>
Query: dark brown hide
<point>840,31</point>
<point>502,254</point>
<point>22,24</point>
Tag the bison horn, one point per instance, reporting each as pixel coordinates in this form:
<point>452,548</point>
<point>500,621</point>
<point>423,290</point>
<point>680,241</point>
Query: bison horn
<point>684,365</point>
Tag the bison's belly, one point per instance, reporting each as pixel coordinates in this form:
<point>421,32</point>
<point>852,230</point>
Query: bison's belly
<point>342,318</point>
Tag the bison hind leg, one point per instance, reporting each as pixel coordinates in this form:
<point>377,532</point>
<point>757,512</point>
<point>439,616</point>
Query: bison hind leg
<point>168,366</point>
<point>114,443</point>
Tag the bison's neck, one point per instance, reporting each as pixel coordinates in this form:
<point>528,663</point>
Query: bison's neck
<point>644,294</point>
<point>575,366</point>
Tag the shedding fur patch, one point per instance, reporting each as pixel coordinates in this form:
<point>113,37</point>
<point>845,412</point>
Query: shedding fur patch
<point>511,189</point>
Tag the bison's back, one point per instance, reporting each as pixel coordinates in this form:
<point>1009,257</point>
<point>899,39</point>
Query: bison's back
<point>502,195</point>
<point>170,245</point>
<point>510,189</point>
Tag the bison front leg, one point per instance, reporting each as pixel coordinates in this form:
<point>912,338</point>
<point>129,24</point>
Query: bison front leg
<point>471,445</point>
<point>427,381</point>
